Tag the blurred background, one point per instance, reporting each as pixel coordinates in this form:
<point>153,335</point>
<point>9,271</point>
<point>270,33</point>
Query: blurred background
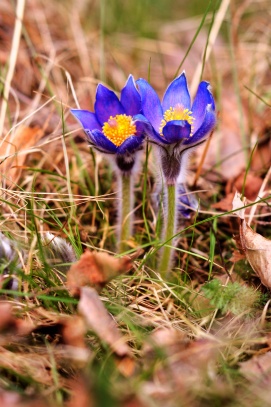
<point>67,47</point>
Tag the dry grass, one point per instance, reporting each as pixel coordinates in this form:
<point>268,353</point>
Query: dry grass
<point>185,346</point>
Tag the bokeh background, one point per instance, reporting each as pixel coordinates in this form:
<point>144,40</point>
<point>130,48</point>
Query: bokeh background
<point>86,42</point>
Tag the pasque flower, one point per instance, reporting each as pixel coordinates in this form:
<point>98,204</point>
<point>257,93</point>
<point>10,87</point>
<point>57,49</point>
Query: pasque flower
<point>117,127</point>
<point>177,126</point>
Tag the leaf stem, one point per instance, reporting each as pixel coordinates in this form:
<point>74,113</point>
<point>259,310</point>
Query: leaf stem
<point>125,215</point>
<point>169,230</point>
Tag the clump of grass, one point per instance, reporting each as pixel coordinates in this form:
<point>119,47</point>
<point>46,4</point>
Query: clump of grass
<point>233,297</point>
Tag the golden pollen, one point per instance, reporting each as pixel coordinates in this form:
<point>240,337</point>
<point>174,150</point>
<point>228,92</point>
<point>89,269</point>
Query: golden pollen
<point>176,113</point>
<point>118,128</point>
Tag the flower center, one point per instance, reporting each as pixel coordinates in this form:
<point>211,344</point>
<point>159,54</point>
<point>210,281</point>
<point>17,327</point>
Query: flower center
<point>176,113</point>
<point>118,128</point>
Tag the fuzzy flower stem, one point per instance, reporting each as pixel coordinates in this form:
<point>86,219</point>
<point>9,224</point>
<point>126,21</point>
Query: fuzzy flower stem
<point>169,230</point>
<point>125,214</point>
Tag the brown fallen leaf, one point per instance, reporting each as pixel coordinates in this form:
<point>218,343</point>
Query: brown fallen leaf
<point>236,256</point>
<point>99,320</point>
<point>258,252</point>
<point>8,398</point>
<point>7,320</point>
<point>13,399</point>
<point>186,362</point>
<point>96,270</point>
<point>252,185</point>
<point>14,149</point>
<point>257,368</point>
<point>73,332</point>
<point>81,393</point>
<point>225,204</point>
<point>11,325</point>
<point>257,248</point>
<point>126,365</point>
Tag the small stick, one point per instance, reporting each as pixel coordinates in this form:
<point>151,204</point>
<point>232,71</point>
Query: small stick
<point>12,60</point>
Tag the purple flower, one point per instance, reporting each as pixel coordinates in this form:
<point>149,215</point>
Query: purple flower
<point>174,119</point>
<point>186,201</point>
<point>176,125</point>
<point>117,127</point>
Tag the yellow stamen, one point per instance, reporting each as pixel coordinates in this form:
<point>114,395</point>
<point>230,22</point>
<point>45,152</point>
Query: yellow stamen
<point>176,113</point>
<point>118,128</point>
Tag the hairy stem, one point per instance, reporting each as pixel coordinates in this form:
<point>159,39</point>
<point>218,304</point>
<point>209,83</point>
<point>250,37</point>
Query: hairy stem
<point>169,230</point>
<point>125,215</point>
